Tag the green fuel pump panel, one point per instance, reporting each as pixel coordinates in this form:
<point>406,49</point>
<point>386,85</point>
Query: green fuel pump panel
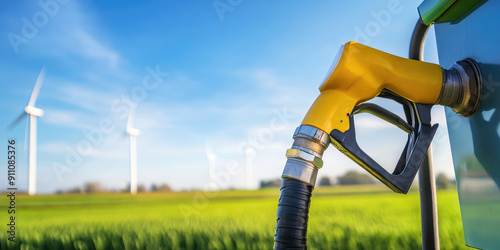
<point>473,32</point>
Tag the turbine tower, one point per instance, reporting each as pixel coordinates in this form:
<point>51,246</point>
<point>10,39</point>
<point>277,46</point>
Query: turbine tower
<point>33,113</point>
<point>211,168</point>
<point>249,168</point>
<point>132,133</point>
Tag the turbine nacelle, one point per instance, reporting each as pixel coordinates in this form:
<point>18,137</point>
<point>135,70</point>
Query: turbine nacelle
<point>30,110</point>
<point>211,157</point>
<point>133,131</point>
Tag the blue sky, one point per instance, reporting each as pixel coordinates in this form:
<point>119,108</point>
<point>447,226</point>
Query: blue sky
<point>228,77</point>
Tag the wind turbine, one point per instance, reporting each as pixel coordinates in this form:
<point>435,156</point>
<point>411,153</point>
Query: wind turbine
<point>249,168</point>
<point>33,114</point>
<point>211,168</point>
<point>132,133</point>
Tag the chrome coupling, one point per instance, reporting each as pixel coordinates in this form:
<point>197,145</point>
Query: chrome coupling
<point>462,87</point>
<point>304,158</point>
<point>312,133</point>
<point>303,155</point>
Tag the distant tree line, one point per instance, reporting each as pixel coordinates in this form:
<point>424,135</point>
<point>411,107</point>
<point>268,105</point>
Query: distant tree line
<point>349,178</point>
<point>443,182</point>
<point>357,178</point>
<point>97,187</point>
<point>271,183</point>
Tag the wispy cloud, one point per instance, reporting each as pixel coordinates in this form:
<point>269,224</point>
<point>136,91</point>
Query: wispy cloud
<point>89,46</point>
<point>86,98</point>
<point>73,32</point>
<point>52,147</point>
<point>66,118</point>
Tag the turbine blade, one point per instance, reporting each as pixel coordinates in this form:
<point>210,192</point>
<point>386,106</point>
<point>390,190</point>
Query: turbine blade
<point>208,150</point>
<point>26,135</point>
<point>36,89</point>
<point>16,121</point>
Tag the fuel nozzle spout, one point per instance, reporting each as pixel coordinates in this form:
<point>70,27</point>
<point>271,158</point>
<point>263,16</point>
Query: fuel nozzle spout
<point>462,87</point>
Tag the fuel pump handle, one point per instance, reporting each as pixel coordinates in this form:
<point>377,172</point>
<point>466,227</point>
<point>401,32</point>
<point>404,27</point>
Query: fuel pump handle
<point>420,133</point>
<point>360,73</point>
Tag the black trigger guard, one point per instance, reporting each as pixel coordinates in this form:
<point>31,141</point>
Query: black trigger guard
<point>419,138</point>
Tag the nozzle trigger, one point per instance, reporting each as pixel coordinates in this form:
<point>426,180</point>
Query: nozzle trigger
<point>420,134</point>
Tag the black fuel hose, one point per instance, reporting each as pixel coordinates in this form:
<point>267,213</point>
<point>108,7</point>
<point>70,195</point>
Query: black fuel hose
<point>293,214</point>
<point>426,182</point>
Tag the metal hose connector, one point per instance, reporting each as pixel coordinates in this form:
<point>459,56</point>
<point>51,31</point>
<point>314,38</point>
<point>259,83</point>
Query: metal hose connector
<point>462,87</point>
<point>304,158</point>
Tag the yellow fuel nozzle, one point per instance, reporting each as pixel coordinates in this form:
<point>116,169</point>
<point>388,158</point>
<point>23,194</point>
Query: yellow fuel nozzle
<point>360,73</point>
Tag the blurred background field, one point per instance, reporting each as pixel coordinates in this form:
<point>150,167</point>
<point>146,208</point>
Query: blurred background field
<point>355,217</point>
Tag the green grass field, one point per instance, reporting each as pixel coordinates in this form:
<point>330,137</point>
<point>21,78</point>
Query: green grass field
<point>341,217</point>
